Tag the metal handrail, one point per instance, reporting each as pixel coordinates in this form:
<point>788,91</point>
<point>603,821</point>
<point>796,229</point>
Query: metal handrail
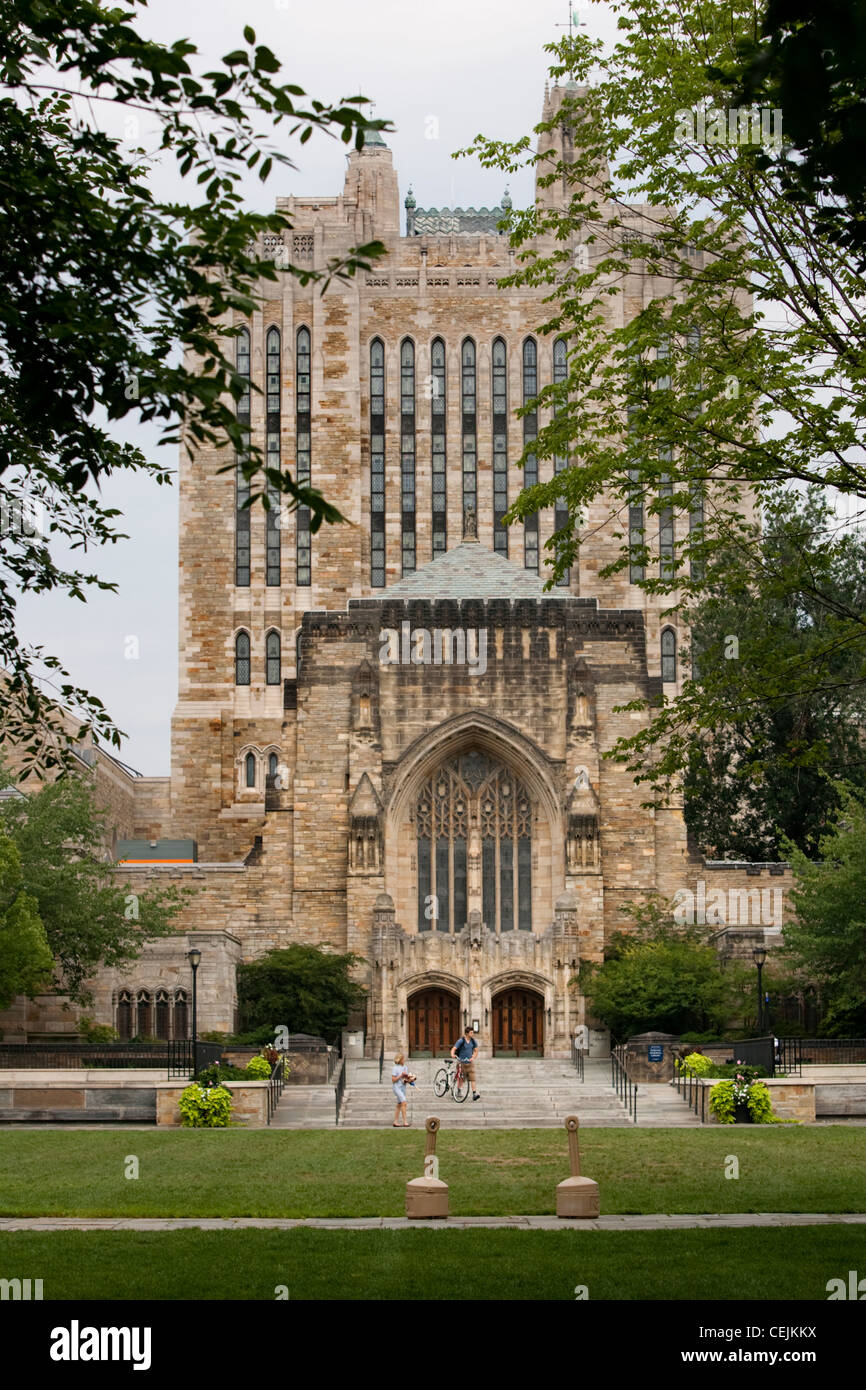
<point>692,1090</point>
<point>381,1058</point>
<point>622,1082</point>
<point>276,1083</point>
<point>339,1090</point>
<point>577,1057</point>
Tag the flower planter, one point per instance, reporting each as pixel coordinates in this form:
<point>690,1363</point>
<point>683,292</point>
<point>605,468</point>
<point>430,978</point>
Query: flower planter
<point>742,1114</point>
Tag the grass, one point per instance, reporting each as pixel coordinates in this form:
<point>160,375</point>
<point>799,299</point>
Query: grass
<point>730,1265</point>
<point>364,1172</point>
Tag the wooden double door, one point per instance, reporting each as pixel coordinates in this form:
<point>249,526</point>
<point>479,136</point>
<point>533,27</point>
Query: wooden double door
<point>434,1023</point>
<point>518,1024</point>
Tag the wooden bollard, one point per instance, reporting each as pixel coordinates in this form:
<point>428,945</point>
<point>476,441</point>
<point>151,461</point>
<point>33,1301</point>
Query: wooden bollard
<point>576,1196</point>
<point>427,1197</point>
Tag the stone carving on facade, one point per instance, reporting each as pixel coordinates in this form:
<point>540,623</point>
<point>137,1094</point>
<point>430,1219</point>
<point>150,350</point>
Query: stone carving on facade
<point>583,841</point>
<point>365,829</point>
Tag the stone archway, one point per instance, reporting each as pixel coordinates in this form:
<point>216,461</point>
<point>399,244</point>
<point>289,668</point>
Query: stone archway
<point>517,1018</point>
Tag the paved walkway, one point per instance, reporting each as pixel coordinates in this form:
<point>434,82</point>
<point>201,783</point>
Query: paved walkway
<point>400,1223</point>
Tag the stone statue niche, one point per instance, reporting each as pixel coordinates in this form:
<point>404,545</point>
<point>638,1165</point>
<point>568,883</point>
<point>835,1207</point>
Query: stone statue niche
<point>365,829</point>
<point>583,842</point>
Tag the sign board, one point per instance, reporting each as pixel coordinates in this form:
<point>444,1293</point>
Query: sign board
<point>655,1052</point>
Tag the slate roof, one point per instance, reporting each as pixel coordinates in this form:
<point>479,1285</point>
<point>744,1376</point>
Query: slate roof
<point>470,570</point>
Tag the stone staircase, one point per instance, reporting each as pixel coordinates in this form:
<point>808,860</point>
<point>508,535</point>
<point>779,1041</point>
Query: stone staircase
<point>659,1106</point>
<point>306,1107</point>
<point>515,1094</point>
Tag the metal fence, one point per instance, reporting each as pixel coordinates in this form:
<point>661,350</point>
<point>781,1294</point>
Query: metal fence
<point>276,1084</point>
<point>622,1082</point>
<point>339,1090</point>
<point>577,1056</point>
<point>824,1051</point>
<point>693,1092</point>
<point>174,1055</point>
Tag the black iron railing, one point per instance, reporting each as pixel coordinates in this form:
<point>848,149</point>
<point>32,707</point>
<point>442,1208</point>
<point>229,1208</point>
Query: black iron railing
<point>622,1082</point>
<point>381,1059</point>
<point>186,1057</point>
<point>577,1056</point>
<point>339,1090</point>
<point>276,1083</point>
<point>693,1091</point>
<point>822,1051</point>
<point>174,1054</point>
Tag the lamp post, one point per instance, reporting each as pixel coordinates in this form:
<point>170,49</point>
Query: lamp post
<point>194,957</point>
<point>759,955</point>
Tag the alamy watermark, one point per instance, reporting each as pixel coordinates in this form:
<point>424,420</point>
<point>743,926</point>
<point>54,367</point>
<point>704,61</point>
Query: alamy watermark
<point>443,646</point>
<point>731,907</point>
<point>740,125</point>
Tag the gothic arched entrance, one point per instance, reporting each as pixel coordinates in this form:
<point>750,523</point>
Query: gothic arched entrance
<point>434,1022</point>
<point>518,1023</point>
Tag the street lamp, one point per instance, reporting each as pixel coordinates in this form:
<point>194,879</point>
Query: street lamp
<point>759,955</point>
<point>194,957</point>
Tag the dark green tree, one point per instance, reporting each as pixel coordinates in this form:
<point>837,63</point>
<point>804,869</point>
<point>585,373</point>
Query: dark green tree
<point>114,302</point>
<point>26,962</point>
<point>768,768</point>
<point>301,988</point>
<point>90,918</point>
<point>827,938</point>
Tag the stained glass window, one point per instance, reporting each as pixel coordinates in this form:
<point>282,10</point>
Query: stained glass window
<point>438,428</point>
<point>377,464</point>
<point>530,469</point>
<point>500,445</point>
<point>303,460</point>
<point>407,454</point>
<point>469,421</point>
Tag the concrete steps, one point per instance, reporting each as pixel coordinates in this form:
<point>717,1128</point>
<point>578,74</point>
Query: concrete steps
<point>659,1107</point>
<point>514,1094</point>
<point>305,1107</point>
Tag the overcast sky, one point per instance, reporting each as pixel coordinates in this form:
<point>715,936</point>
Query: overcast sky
<point>476,68</point>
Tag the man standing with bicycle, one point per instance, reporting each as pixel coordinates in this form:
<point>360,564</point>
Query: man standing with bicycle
<point>464,1051</point>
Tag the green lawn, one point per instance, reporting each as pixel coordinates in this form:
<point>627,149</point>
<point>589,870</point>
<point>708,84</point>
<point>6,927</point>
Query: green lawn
<point>714,1264</point>
<point>364,1172</point>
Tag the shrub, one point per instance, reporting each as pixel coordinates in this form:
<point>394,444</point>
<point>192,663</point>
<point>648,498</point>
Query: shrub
<point>96,1032</point>
<point>726,1095</point>
<point>217,1072</point>
<point>258,1068</point>
<point>699,1064</point>
<point>205,1107</point>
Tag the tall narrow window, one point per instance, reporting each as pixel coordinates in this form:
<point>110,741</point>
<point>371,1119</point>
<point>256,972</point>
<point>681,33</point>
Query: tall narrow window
<point>636,537</point>
<point>696,525</point>
<point>560,513</point>
<point>530,469</point>
<point>669,654</point>
<point>377,464</point>
<point>242,659</point>
<point>181,1026</point>
<point>242,487</point>
<point>407,453</point>
<point>163,1015</point>
<point>666,511</point>
<point>272,659</point>
<point>142,1014</point>
<point>250,766</point>
<point>500,445</point>
<point>124,1015</point>
<point>469,425</point>
<point>438,417</point>
<point>302,462</point>
<point>272,456</point>
<point>273,765</point>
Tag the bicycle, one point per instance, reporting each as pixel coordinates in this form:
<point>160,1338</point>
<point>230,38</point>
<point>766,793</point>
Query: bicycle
<point>453,1078</point>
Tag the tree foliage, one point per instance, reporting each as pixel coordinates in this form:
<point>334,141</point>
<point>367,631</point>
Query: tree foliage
<point>301,988</point>
<point>116,305</point>
<point>743,373</point>
<point>767,769</point>
<point>827,937</point>
<point>90,918</point>
<point>26,962</point>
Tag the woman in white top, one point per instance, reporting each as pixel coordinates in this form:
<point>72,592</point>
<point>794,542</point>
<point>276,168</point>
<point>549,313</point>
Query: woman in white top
<point>399,1077</point>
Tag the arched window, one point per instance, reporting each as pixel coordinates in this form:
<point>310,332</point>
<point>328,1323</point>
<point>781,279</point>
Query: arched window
<point>560,462</point>
<point>273,765</point>
<point>250,770</point>
<point>272,659</point>
<point>163,1015</point>
<point>500,445</point>
<point>298,655</point>
<point>242,487</point>
<point>530,468</point>
<point>303,455</point>
<point>143,1025</point>
<point>669,654</point>
<point>473,796</point>
<point>181,1015</point>
<point>242,659</point>
<point>124,1015</point>
<point>377,464</point>
<point>468,408</point>
<point>407,453</point>
<point>272,457</point>
<point>438,418</point>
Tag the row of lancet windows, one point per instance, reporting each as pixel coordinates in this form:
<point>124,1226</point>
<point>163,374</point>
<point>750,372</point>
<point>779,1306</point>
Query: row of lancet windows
<point>434,393</point>
<point>145,1013</point>
<point>274,515</point>
<point>243,663</point>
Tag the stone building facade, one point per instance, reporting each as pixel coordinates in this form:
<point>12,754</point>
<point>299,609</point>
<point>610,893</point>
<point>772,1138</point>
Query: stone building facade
<point>389,736</point>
